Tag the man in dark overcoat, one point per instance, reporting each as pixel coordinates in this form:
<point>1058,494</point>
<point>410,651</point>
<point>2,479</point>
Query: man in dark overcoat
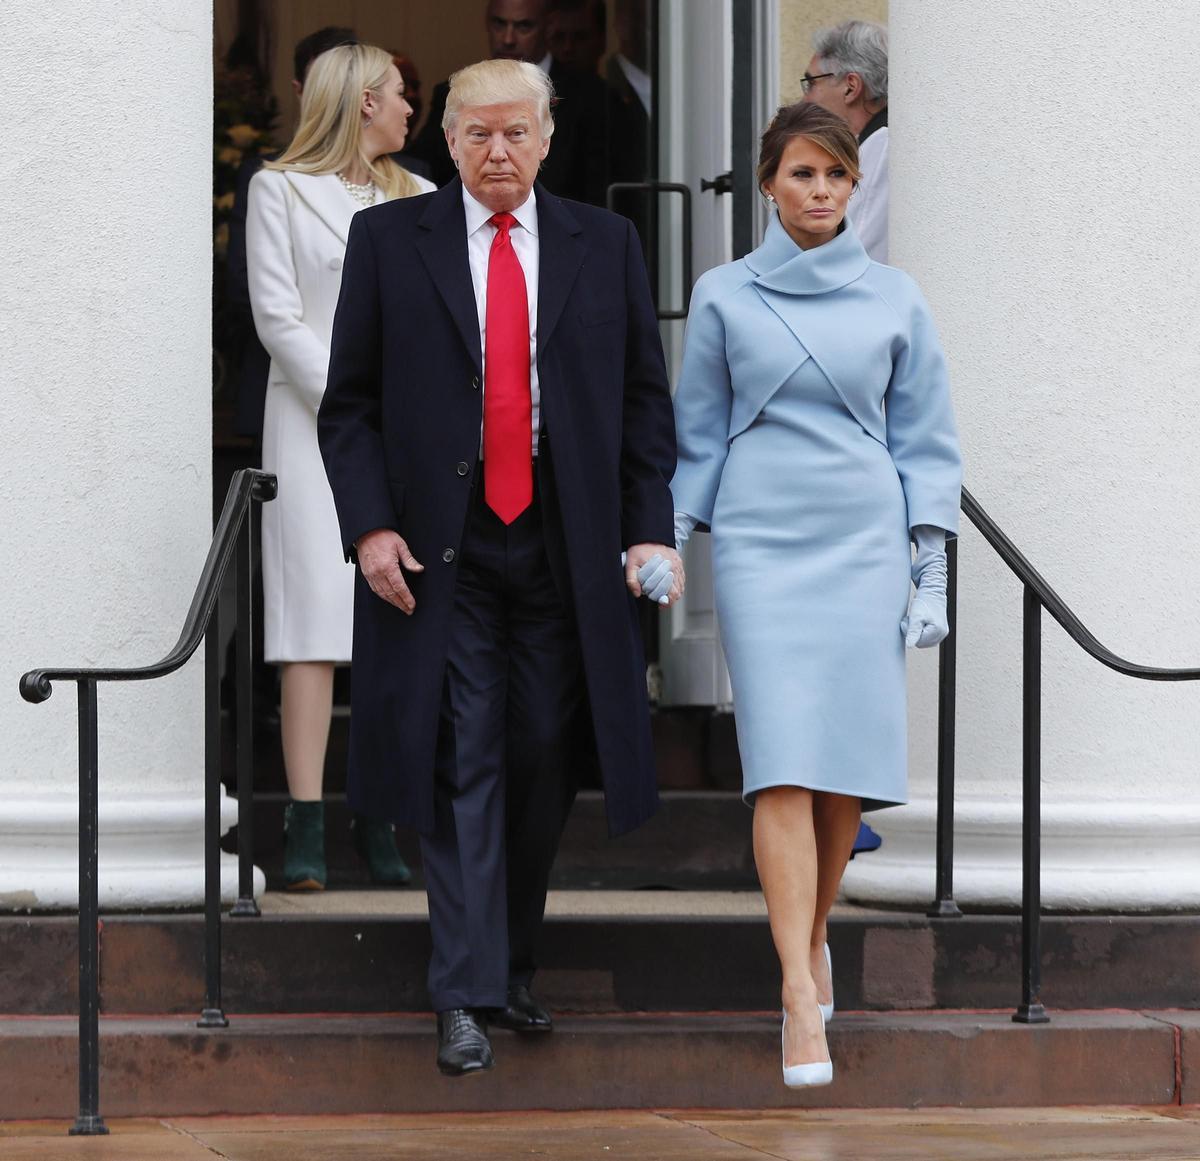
<point>497,430</point>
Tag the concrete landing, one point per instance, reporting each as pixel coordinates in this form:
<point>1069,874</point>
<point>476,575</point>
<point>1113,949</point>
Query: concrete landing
<point>1116,1134</point>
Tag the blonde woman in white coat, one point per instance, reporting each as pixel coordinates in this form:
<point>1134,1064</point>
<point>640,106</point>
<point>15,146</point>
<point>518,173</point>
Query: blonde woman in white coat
<point>352,115</point>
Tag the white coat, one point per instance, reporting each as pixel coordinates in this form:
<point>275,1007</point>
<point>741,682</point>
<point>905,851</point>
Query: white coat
<point>296,230</point>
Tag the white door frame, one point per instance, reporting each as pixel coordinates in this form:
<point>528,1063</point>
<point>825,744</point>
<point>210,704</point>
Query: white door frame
<point>695,143</point>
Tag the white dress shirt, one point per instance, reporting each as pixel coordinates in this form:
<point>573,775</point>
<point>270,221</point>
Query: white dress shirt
<point>868,207</point>
<point>524,237</point>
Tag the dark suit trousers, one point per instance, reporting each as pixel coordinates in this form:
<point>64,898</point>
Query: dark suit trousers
<point>512,718</point>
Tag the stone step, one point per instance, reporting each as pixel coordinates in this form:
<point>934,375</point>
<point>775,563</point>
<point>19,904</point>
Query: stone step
<point>697,839</point>
<point>385,1063</point>
<point>603,952</point>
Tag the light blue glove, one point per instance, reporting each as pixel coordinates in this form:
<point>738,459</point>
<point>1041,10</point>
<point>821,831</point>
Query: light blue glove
<point>926,623</point>
<point>684,525</point>
<point>656,578</point>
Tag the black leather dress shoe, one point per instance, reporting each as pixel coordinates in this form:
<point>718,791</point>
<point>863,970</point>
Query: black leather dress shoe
<point>463,1045</point>
<point>523,1013</point>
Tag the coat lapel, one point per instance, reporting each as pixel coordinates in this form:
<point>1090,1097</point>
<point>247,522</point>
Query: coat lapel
<point>560,255</point>
<point>442,245</point>
<point>324,195</point>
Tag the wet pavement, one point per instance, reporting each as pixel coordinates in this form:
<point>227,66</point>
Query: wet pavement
<point>1074,1134</point>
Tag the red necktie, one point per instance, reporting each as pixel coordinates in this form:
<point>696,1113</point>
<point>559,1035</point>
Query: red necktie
<point>507,405</point>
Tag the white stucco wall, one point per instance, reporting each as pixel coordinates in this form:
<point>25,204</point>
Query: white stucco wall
<point>105,481</point>
<point>1046,205</point>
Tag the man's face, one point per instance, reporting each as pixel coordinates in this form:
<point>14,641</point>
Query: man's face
<point>575,38</point>
<point>498,149</point>
<point>828,92</point>
<point>517,29</point>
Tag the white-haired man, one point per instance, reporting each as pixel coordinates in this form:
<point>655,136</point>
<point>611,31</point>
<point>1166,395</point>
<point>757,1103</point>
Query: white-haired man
<point>496,427</point>
<point>848,75</point>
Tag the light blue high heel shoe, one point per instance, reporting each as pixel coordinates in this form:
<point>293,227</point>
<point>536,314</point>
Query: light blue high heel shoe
<point>827,1009</point>
<point>804,1075</point>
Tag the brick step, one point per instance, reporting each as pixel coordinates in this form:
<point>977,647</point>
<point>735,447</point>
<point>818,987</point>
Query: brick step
<point>602,952</point>
<point>698,839</point>
<point>385,1064</point>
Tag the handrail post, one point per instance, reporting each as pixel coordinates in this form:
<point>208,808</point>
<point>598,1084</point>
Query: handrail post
<point>89,1122</point>
<point>1030,1010</point>
<point>212,1015</point>
<point>944,906</point>
<point>245,905</point>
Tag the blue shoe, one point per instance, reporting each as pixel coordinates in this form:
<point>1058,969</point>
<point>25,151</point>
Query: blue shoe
<point>865,840</point>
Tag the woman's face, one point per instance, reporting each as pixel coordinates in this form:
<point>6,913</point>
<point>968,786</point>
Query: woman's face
<point>389,113</point>
<point>811,189</point>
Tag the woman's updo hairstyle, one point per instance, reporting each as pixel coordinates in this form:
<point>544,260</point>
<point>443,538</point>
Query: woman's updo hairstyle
<point>820,126</point>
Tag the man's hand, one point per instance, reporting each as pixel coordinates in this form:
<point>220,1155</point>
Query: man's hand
<point>639,555</point>
<point>380,556</point>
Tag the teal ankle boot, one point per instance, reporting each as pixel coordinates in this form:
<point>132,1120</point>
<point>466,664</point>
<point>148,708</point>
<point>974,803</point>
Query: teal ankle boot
<point>376,843</point>
<point>304,846</point>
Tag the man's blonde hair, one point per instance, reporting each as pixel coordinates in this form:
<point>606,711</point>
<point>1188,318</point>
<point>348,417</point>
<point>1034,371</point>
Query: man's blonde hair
<point>329,138</point>
<point>499,82</point>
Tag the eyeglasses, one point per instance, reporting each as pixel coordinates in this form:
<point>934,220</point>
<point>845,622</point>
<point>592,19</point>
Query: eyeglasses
<point>806,81</point>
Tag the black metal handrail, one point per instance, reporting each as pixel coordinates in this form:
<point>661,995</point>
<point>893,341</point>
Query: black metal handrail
<point>1037,595</point>
<point>1056,606</point>
<point>247,485</point>
<point>233,536</point>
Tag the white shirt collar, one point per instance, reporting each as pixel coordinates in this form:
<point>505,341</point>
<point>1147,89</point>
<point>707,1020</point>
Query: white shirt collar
<point>478,214</point>
<point>546,63</point>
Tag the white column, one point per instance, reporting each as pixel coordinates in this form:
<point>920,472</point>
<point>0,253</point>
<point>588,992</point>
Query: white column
<point>1043,195</point>
<point>105,481</point>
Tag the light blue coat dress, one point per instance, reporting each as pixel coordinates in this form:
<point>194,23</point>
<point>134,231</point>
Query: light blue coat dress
<point>815,430</point>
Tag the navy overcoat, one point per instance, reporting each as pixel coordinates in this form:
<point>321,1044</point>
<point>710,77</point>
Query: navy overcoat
<point>399,429</point>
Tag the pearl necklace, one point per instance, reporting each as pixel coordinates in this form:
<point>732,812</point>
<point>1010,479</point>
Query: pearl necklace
<point>363,194</point>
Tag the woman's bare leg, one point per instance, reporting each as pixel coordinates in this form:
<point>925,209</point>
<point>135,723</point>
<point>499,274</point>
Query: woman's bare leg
<point>305,708</point>
<point>835,824</point>
<point>785,851</point>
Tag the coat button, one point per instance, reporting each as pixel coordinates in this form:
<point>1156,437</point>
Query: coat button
<point>448,555</point>
<point>475,382</point>
<point>462,468</point>
<point>335,264</point>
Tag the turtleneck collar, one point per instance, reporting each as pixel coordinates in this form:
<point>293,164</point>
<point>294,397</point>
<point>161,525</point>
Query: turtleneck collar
<point>781,265</point>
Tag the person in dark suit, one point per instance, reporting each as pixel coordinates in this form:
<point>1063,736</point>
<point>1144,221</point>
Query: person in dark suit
<point>577,167</point>
<point>496,428</point>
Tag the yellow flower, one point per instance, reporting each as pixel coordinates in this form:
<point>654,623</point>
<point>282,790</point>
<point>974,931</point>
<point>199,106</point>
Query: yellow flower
<point>229,155</point>
<point>243,136</point>
<point>225,201</point>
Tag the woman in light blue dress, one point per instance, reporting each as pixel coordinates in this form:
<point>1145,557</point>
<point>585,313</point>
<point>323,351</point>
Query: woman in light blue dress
<point>817,441</point>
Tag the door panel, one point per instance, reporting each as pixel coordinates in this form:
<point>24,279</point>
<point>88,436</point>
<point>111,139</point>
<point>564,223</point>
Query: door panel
<point>695,136</point>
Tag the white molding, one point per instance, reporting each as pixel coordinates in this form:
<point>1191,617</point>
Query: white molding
<point>1096,856</point>
<point>151,853</point>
